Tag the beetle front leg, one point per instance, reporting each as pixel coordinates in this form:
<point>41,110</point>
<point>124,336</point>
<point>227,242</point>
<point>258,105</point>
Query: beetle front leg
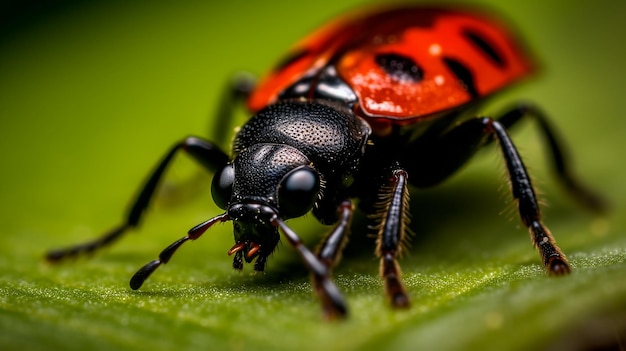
<point>392,234</point>
<point>206,153</point>
<point>333,302</point>
<point>332,245</point>
<point>329,253</point>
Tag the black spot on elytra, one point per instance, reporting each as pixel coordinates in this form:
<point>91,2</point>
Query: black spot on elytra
<point>400,68</point>
<point>290,59</point>
<point>483,44</point>
<point>463,74</point>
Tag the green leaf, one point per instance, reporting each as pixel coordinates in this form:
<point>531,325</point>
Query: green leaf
<point>92,95</point>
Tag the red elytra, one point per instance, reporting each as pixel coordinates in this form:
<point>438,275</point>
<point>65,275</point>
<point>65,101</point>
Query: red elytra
<point>426,36</point>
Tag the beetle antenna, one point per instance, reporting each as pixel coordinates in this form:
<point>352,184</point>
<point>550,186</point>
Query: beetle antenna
<point>194,233</point>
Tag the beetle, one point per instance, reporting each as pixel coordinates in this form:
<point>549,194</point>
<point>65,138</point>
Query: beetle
<point>349,113</point>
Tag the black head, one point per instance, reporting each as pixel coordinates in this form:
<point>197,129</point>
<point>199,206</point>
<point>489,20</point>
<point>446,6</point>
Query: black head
<point>289,158</point>
<point>263,182</point>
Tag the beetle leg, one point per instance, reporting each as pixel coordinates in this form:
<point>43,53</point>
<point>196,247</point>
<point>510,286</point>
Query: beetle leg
<point>391,235</point>
<point>332,245</point>
<point>521,187</point>
<point>460,143</point>
<point>333,303</point>
<point>560,160</point>
<point>457,145</point>
<point>329,253</point>
<point>206,153</point>
<point>237,91</point>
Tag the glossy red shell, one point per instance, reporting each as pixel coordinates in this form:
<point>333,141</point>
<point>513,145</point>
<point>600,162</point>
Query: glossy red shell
<point>425,35</point>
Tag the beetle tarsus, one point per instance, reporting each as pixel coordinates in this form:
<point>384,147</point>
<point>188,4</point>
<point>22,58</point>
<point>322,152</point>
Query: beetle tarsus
<point>333,304</point>
<point>394,289</point>
<point>58,255</point>
<point>558,266</point>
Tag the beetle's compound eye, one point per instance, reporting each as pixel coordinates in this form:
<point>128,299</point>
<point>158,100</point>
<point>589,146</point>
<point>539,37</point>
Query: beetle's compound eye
<point>297,191</point>
<point>222,186</point>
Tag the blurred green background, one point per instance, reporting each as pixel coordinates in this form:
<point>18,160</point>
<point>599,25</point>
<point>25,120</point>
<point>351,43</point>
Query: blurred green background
<point>93,93</point>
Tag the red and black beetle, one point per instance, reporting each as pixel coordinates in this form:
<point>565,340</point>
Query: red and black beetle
<point>353,110</point>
